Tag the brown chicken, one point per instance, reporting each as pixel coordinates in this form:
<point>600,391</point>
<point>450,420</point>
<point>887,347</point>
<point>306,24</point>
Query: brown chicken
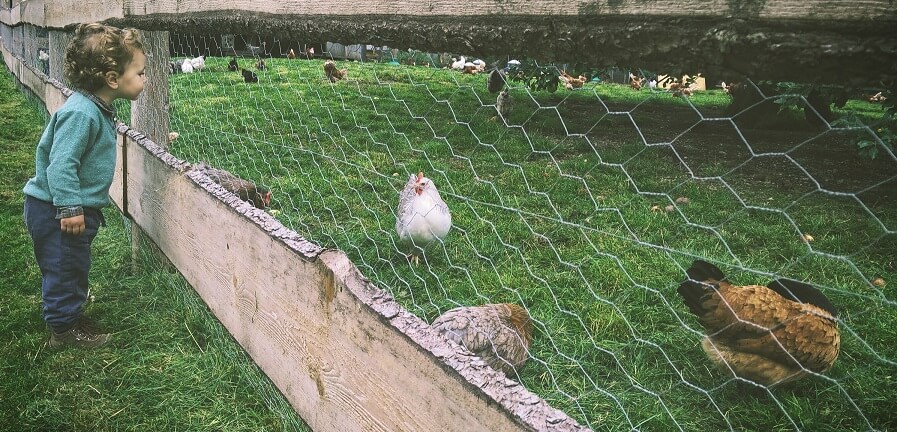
<point>258,196</point>
<point>291,54</point>
<point>767,334</point>
<point>332,73</point>
<point>500,334</point>
<point>680,89</point>
<point>635,81</point>
<point>570,82</point>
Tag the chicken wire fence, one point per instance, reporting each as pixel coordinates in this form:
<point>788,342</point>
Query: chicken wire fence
<point>585,205</point>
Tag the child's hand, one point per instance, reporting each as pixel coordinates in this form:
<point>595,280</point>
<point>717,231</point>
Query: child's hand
<point>73,225</point>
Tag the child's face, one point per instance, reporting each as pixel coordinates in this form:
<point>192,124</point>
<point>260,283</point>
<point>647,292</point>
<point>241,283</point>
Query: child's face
<point>131,83</point>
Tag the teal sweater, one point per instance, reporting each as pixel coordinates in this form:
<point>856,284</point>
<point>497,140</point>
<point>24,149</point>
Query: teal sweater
<point>75,157</point>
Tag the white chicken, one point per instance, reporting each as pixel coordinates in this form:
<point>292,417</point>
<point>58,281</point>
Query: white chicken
<point>459,63</point>
<point>199,63</point>
<point>422,217</point>
<point>187,66</point>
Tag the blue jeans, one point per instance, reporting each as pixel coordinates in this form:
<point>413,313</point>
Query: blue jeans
<point>64,261</point>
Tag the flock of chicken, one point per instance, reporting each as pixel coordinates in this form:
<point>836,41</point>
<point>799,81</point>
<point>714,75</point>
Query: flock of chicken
<point>187,65</point>
<point>768,335</point>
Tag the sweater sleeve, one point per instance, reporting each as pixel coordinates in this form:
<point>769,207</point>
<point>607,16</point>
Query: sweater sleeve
<point>71,135</point>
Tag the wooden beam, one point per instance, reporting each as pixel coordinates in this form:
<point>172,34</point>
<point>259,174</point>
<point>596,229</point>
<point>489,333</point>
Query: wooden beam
<point>812,41</point>
<point>59,40</point>
<point>52,93</point>
<point>149,113</point>
<point>346,355</point>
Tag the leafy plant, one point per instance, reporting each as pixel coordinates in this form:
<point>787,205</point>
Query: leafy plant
<point>794,94</point>
<point>870,147</point>
<point>534,76</point>
<point>885,129</point>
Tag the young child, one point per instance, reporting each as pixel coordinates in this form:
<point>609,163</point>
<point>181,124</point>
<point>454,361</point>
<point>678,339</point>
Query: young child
<point>74,161</point>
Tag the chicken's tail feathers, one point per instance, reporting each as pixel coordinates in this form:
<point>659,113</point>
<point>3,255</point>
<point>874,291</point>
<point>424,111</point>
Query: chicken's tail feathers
<point>702,278</point>
<point>520,318</point>
<point>692,293</point>
<point>701,270</point>
<point>804,293</point>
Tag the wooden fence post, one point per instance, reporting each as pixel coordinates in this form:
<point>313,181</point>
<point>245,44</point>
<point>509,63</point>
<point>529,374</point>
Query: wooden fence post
<point>149,115</point>
<point>59,40</point>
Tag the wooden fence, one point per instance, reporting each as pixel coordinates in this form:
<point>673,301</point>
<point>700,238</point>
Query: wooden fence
<point>345,354</point>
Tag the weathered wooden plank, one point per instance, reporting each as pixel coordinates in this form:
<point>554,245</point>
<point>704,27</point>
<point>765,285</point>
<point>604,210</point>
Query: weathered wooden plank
<point>149,113</point>
<point>52,93</point>
<point>834,42</point>
<point>784,9</point>
<point>59,40</point>
<point>344,353</point>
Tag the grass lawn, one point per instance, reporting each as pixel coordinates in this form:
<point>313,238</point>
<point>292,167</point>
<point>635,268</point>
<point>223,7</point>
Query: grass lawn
<point>171,365</point>
<point>562,209</point>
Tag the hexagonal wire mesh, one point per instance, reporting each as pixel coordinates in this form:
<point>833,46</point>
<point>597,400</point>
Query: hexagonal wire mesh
<point>586,205</point>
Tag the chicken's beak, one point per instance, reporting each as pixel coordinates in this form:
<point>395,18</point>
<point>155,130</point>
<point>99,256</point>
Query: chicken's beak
<point>419,188</point>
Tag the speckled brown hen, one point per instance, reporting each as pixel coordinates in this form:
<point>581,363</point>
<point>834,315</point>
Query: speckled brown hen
<point>767,334</point>
<point>258,196</point>
<point>332,73</point>
<point>500,333</point>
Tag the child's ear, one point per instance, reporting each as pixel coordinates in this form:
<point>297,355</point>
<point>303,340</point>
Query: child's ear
<point>112,79</point>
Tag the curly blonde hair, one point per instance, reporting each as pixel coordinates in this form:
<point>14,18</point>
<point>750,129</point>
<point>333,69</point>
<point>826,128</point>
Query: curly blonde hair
<point>96,50</point>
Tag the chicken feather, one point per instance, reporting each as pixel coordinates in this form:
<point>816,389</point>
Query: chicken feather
<point>258,196</point>
<point>500,334</point>
<point>769,335</point>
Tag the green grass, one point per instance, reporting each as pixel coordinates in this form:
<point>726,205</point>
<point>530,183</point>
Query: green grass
<point>171,365</point>
<point>554,212</point>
